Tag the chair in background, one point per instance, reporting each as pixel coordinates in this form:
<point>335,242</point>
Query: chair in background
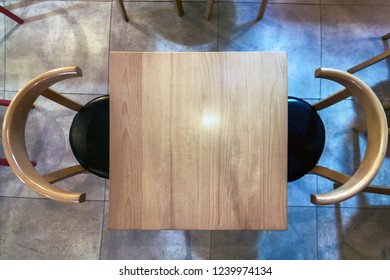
<point>306,134</point>
<point>179,6</point>
<point>89,136</point>
<point>210,4</point>
<point>11,15</point>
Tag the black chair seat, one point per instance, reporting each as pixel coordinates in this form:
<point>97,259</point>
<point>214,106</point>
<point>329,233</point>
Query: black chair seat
<point>89,136</point>
<point>306,138</point>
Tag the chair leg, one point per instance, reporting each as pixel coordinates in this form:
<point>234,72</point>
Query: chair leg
<point>4,162</point>
<point>7,102</point>
<point>373,60</point>
<point>364,129</point>
<point>262,10</point>
<point>333,99</point>
<point>359,129</point>
<point>11,15</point>
<point>371,189</point>
<point>180,9</point>
<point>369,62</point>
<point>209,9</point>
<point>386,37</point>
<point>4,102</point>
<point>123,9</point>
<point>65,173</point>
<point>377,189</point>
<point>62,100</point>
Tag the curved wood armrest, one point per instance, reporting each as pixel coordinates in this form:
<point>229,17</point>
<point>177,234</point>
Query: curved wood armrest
<point>377,130</point>
<point>334,176</point>
<point>13,136</point>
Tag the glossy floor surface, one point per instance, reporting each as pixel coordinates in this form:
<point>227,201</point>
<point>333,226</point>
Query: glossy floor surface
<point>315,33</point>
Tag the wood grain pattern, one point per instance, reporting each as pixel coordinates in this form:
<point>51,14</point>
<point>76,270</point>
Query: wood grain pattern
<point>198,141</point>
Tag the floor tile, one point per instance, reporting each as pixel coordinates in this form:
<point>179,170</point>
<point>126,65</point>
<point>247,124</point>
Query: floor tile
<point>84,44</point>
<point>340,143</point>
<point>351,35</point>
<point>291,28</point>
<point>154,245</point>
<point>156,27</point>
<point>352,233</point>
<point>107,191</point>
<point>298,242</point>
<point>43,229</point>
<point>299,191</point>
<point>47,134</point>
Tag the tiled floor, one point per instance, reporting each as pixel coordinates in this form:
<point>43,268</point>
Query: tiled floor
<point>327,33</point>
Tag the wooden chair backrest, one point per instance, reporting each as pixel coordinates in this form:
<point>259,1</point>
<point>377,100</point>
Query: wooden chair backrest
<point>13,136</point>
<point>377,131</point>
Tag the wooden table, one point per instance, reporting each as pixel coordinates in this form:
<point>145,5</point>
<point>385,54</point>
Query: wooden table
<point>198,141</point>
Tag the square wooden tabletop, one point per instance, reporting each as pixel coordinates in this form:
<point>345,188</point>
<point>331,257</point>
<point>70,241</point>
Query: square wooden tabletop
<point>198,141</point>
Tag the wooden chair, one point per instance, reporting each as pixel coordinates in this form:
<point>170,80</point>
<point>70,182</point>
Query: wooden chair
<point>11,15</point>
<point>306,136</point>
<point>13,135</point>
<point>179,6</point>
<point>210,4</point>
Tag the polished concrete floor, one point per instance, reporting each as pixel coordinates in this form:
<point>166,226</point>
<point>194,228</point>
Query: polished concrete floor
<point>315,33</point>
